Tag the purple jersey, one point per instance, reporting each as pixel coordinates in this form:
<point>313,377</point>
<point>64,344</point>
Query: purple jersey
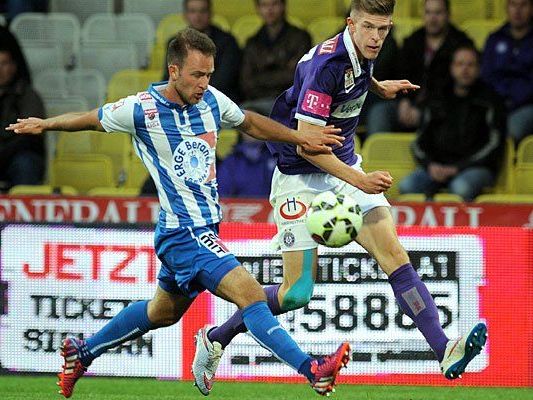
<point>330,87</point>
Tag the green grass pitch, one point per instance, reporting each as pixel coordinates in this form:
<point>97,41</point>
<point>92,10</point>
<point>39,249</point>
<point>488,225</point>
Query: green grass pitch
<point>44,387</point>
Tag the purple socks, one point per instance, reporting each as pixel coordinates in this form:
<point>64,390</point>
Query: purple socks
<point>417,303</point>
<point>225,333</point>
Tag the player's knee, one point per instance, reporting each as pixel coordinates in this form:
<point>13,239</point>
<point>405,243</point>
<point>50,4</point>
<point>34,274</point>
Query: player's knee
<point>397,253</point>
<point>161,315</point>
<point>297,296</point>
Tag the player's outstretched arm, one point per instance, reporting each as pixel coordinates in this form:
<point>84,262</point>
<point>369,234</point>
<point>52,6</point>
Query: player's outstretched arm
<point>316,140</point>
<point>373,183</point>
<point>66,122</point>
<point>390,89</point>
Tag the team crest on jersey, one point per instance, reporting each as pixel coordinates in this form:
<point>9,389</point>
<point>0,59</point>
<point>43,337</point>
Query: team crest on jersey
<point>329,46</point>
<point>288,238</point>
<point>150,113</point>
<point>194,158</point>
<point>349,80</point>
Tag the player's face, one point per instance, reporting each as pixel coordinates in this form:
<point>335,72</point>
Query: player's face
<point>464,68</point>
<point>191,79</point>
<point>272,11</point>
<point>436,17</point>
<point>368,33</point>
<point>197,14</point>
<point>8,68</point>
<point>519,12</point>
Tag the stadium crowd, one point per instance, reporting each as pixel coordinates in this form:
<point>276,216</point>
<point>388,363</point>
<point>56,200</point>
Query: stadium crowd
<point>473,104</point>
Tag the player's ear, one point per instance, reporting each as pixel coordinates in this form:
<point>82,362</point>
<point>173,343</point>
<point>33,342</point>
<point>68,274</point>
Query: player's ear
<point>351,25</point>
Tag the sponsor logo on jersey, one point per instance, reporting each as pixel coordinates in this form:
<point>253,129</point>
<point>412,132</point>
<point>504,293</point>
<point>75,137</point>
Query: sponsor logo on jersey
<point>292,209</point>
<point>329,46</point>
<point>317,103</point>
<point>150,113</point>
<point>194,159</point>
<point>117,104</point>
<point>145,96</point>
<point>213,243</point>
<point>350,108</point>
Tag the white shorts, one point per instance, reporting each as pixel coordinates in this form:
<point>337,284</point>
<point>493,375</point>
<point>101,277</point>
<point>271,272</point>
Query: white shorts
<point>290,196</point>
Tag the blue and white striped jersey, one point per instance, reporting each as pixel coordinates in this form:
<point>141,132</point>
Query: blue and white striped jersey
<point>177,145</point>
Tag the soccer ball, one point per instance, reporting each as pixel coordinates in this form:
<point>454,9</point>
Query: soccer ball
<point>334,220</point>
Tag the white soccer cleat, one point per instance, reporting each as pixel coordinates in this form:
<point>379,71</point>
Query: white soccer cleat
<point>460,352</point>
<point>206,360</point>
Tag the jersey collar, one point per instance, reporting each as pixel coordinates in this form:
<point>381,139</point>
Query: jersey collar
<point>350,48</point>
<point>154,91</point>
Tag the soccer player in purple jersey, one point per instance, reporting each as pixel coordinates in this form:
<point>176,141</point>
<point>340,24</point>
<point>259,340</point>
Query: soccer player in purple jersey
<point>330,86</point>
<point>173,126</point>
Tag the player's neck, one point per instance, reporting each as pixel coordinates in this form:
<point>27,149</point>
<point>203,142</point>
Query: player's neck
<point>172,95</point>
<point>519,32</point>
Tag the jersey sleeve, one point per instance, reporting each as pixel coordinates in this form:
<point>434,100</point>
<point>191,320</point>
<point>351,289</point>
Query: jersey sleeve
<point>230,113</point>
<point>316,96</point>
<point>118,116</point>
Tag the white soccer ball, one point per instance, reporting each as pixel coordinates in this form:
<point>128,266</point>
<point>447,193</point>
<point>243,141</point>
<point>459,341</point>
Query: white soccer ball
<point>334,220</point>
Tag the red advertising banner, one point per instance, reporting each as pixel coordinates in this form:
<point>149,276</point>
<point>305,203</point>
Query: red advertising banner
<point>60,280</point>
<point>146,210</point>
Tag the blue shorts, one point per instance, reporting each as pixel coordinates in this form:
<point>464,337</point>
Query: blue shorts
<point>193,259</point>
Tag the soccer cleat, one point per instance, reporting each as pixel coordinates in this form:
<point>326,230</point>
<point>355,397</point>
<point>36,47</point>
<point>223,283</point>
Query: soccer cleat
<point>205,361</point>
<point>460,352</point>
<point>72,367</point>
<point>326,369</point>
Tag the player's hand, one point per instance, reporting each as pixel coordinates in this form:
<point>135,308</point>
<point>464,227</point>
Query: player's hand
<point>390,89</point>
<point>376,182</point>
<point>27,126</point>
<point>321,141</point>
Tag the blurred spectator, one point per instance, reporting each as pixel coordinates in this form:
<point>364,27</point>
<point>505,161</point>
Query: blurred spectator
<point>198,15</point>
<point>21,157</point>
<point>247,171</point>
<point>8,41</point>
<point>425,61</point>
<point>270,57</point>
<point>15,7</point>
<point>508,67</point>
<point>461,139</point>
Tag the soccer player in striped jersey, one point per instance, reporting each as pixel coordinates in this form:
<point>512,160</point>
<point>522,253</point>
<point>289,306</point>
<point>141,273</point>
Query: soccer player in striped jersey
<point>330,86</point>
<point>174,129</point>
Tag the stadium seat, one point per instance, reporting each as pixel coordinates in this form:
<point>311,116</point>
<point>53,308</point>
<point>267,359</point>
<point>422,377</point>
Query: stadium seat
<point>137,29</point>
<point>357,146</point>
<point>114,192</point>
<point>157,59</point>
<point>155,9</point>
<point>88,83</point>
<point>324,28</point>
<point>31,190</point>
<point>524,153</point>
<point>82,8</point>
<point>524,178</point>
<point>437,198</point>
<point>227,139</point>
<point>168,27</point>
<point>498,10</point>
<point>505,198</point>
<point>60,105</point>
<point>56,28</point>
<point>82,171</point>
<point>411,197</point>
<point>130,81</point>
<point>390,152</point>
<point>233,10</point>
<point>463,10</point>
<point>117,146</point>
<point>404,27</point>
<point>479,29</point>
<point>307,10</point>
<point>136,174</point>
<point>505,179</point>
<point>71,143</point>
<point>108,58</point>
<point>42,55</point>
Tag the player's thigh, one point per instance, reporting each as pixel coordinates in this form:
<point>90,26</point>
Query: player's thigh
<point>298,264</point>
<point>167,308</point>
<point>240,287</point>
<point>378,237</point>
